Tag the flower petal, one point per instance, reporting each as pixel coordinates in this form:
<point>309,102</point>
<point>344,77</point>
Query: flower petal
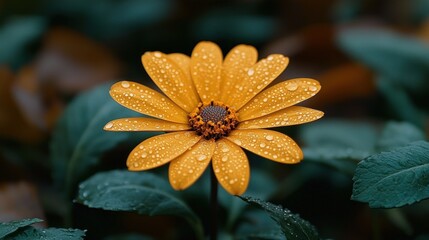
<point>279,96</point>
<point>161,149</point>
<point>171,79</point>
<point>188,167</point>
<point>206,67</point>
<point>184,62</point>
<point>144,124</point>
<point>231,167</point>
<point>235,66</point>
<point>269,144</point>
<point>144,100</point>
<point>289,116</point>
<point>257,78</point>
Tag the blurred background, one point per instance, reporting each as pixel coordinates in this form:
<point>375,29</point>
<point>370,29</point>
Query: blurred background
<point>371,57</point>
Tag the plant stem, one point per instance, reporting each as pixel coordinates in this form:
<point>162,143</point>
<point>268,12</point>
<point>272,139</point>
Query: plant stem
<point>213,205</point>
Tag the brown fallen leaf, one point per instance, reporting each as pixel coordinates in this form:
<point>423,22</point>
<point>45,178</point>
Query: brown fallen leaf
<point>19,200</point>
<point>13,123</point>
<point>71,62</point>
<point>342,83</point>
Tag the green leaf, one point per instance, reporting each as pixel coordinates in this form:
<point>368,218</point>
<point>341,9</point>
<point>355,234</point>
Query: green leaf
<point>338,143</point>
<point>140,192</point>
<point>393,179</point>
<point>401,59</point>
<point>16,35</point>
<point>261,184</point>
<point>401,102</point>
<point>399,134</point>
<point>293,226</point>
<point>10,227</point>
<point>21,230</point>
<point>257,224</point>
<point>31,233</point>
<point>79,140</point>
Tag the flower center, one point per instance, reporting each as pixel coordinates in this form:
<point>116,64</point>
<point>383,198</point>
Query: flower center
<point>213,120</point>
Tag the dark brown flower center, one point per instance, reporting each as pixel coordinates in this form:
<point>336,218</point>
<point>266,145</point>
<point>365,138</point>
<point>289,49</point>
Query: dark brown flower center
<point>213,120</point>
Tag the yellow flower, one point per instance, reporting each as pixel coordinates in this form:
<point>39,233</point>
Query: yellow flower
<point>213,107</point>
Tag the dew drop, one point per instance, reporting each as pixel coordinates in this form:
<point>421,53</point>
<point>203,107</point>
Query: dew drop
<point>157,54</point>
<point>262,145</point>
<point>224,158</point>
<point>269,137</point>
<point>125,84</point>
<point>136,164</point>
<point>225,150</point>
<point>292,86</point>
<point>109,125</point>
<point>144,155</point>
<point>270,58</point>
<point>202,157</point>
<point>312,88</point>
<point>250,72</point>
<point>237,142</point>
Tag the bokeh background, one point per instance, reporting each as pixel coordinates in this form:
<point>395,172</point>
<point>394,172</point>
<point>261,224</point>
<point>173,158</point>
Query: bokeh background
<point>371,57</point>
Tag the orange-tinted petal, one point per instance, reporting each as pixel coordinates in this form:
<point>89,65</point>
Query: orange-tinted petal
<point>269,144</point>
<point>188,167</point>
<point>289,116</point>
<point>161,149</point>
<point>206,67</point>
<point>257,78</point>
<point>144,124</point>
<point>171,79</point>
<point>231,167</point>
<point>144,100</point>
<point>184,62</point>
<point>278,97</point>
<point>235,66</point>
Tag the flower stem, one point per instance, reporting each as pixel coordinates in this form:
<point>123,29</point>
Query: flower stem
<point>213,205</point>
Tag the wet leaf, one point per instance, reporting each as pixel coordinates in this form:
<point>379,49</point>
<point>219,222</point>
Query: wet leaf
<point>395,178</point>
<point>79,141</point>
<point>31,233</point>
<point>7,228</point>
<point>293,226</point>
<point>140,192</point>
<point>257,224</point>
<point>401,59</point>
<point>399,134</point>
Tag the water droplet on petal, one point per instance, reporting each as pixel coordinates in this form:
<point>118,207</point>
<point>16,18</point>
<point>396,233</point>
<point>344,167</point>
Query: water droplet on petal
<point>109,125</point>
<point>202,157</point>
<point>157,54</point>
<point>250,72</point>
<point>312,88</point>
<point>224,158</point>
<point>269,137</point>
<point>262,145</point>
<point>225,150</point>
<point>125,84</point>
<point>144,155</point>
<point>292,86</point>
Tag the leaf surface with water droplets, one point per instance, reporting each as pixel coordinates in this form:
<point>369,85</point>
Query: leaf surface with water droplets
<point>139,192</point>
<point>21,230</point>
<point>292,226</point>
<point>395,178</point>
